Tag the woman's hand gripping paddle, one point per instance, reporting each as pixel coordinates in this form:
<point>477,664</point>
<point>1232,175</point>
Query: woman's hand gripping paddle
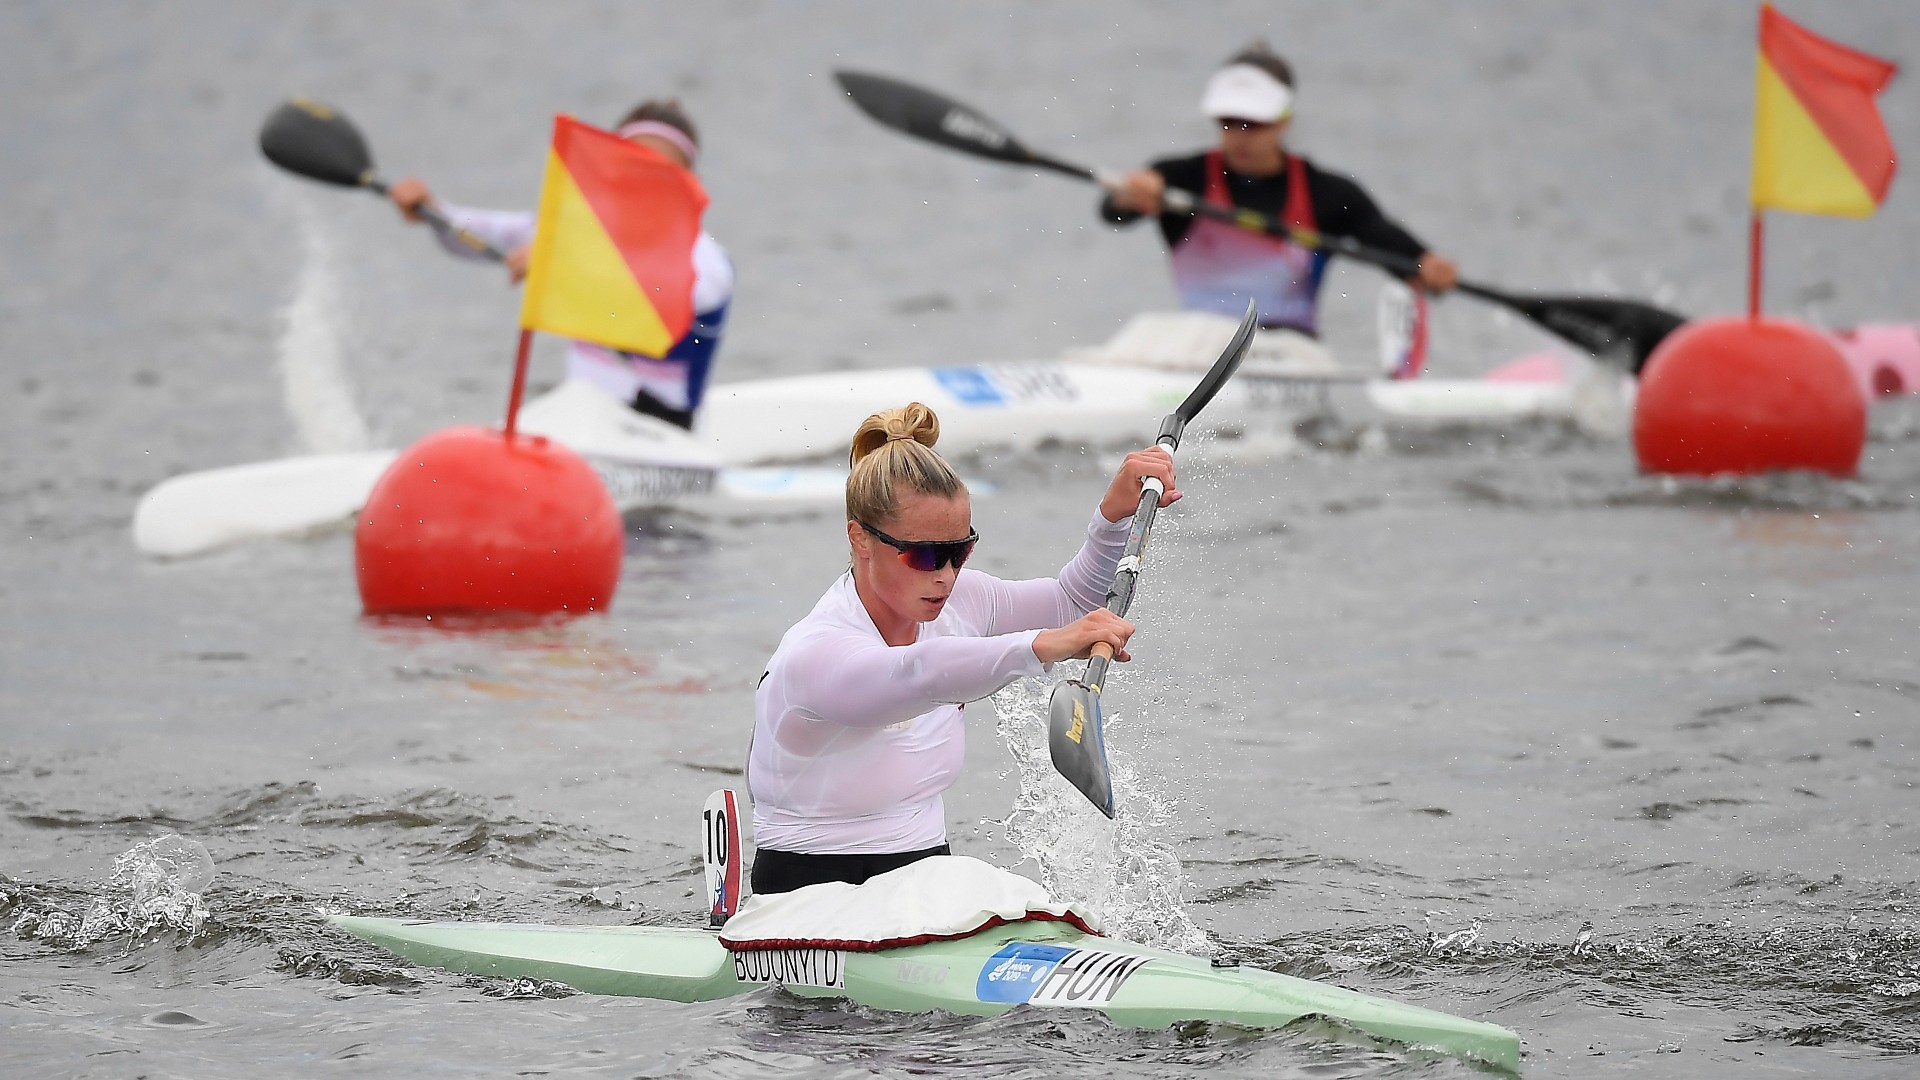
<point>318,142</point>
<point>1615,330</point>
<point>1075,733</point>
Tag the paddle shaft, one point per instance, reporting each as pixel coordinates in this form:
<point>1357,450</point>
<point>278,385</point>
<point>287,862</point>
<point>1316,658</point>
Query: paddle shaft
<point>1127,576</point>
<point>1612,329</point>
<point>1559,315</point>
<point>312,139</point>
<point>1183,202</point>
<point>440,222</point>
<point>444,226</point>
<point>1075,733</point>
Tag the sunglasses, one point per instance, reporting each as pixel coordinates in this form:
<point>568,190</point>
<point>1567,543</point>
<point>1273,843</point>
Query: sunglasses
<point>1243,125</point>
<point>928,555</point>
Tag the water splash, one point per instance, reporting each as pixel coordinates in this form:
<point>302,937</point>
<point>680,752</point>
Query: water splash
<point>319,397</point>
<point>156,885</point>
<point>1121,870</point>
<point>1458,941</point>
<point>1582,939</point>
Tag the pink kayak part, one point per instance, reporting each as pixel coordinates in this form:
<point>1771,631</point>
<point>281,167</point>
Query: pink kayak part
<point>1545,366</point>
<point>1884,356</point>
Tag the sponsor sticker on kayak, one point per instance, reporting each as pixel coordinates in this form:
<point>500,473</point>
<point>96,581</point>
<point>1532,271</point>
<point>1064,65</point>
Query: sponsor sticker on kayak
<point>970,384</point>
<point>793,967</point>
<point>1055,975</point>
<point>1006,384</point>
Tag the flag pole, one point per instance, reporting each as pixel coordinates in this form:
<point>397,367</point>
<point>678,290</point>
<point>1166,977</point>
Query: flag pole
<point>1756,254</point>
<point>519,381</point>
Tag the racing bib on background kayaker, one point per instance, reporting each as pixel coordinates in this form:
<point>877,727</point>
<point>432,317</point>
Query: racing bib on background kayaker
<point>1219,267</point>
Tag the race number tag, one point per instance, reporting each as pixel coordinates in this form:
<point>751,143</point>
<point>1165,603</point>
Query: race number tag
<point>720,843</point>
<point>1400,319</point>
<point>793,967</point>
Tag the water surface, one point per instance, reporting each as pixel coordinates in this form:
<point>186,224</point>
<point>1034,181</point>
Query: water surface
<point>1478,719</point>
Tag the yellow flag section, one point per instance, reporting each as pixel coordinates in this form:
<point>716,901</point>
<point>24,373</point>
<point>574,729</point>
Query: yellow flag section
<point>1819,146</point>
<point>612,259</point>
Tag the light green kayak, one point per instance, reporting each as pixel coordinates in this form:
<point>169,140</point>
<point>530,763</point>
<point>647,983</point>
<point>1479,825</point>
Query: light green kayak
<point>1039,964</point>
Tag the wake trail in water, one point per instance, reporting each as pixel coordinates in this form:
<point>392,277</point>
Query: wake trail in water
<point>315,387</point>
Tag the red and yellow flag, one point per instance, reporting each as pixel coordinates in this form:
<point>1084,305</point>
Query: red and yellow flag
<point>1819,146</point>
<point>612,258</point>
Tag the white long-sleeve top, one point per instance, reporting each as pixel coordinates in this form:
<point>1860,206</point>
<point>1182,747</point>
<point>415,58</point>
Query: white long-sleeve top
<point>621,374</point>
<point>854,740</point>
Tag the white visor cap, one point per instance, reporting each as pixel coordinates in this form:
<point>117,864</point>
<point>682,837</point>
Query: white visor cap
<point>1245,92</point>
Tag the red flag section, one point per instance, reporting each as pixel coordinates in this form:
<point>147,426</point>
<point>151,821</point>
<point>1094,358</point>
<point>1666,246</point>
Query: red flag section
<point>612,258</point>
<point>1819,143</point>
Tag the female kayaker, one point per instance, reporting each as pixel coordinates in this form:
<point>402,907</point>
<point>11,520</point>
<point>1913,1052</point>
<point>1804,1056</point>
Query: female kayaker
<point>1218,266</point>
<point>858,719</point>
<point>669,387</point>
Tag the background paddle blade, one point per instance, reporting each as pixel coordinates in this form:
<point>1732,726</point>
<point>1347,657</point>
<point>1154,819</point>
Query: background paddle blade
<point>1077,740</point>
<point>1622,331</point>
<point>933,117</point>
<point>315,141</point>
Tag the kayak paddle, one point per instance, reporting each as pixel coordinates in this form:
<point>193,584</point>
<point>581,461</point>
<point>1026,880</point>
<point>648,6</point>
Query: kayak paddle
<point>1621,331</point>
<point>1075,734</point>
<point>318,142</point>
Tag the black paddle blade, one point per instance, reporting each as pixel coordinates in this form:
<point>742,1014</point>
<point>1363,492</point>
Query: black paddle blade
<point>312,140</point>
<point>936,118</point>
<point>1222,369</point>
<point>1624,332</point>
<point>1077,739</point>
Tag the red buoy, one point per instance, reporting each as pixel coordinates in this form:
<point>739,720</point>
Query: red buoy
<point>1738,395</point>
<point>465,520</point>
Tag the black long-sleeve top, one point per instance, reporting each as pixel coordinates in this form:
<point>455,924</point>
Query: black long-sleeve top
<point>1340,206</point>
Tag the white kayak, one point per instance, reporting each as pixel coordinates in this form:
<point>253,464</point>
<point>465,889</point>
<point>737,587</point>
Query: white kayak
<point>983,407</point>
<point>643,461</point>
<point>1110,395</point>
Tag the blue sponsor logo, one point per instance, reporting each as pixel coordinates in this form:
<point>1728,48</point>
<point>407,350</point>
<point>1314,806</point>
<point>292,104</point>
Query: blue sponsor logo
<point>970,384</point>
<point>1012,974</point>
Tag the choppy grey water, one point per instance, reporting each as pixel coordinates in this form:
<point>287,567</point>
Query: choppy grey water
<point>1477,719</point>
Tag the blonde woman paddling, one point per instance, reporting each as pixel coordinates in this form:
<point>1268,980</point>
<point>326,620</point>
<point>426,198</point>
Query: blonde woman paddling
<point>858,724</point>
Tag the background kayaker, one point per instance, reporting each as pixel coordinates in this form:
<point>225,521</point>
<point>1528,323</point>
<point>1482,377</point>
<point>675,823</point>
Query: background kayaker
<point>858,719</point>
<point>1219,267</point>
<point>669,387</point>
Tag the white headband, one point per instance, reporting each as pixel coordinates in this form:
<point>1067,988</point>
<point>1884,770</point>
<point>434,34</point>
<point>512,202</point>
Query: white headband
<point>661,130</point>
<point>1246,92</point>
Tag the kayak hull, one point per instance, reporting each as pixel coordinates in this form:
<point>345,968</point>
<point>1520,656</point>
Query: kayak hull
<point>981,406</point>
<point>1040,964</point>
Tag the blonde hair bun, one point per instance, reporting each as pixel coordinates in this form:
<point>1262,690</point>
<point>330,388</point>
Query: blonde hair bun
<point>912,423</point>
<point>894,449</point>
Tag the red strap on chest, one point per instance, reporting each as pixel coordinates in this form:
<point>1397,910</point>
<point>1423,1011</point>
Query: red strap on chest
<point>1298,213</point>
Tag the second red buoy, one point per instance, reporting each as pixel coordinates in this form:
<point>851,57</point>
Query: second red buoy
<point>465,520</point>
<point>1740,395</point>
